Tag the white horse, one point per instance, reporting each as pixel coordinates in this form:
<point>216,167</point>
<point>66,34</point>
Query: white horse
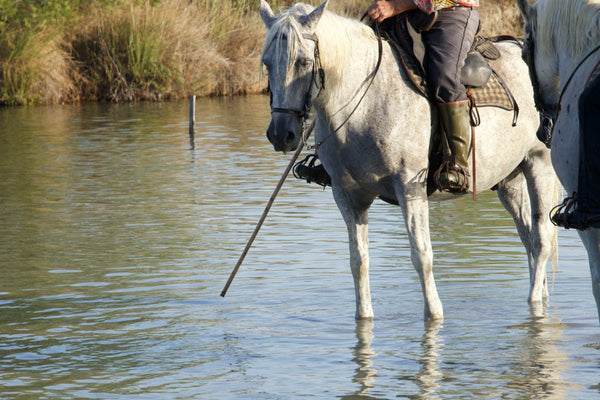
<point>561,37</point>
<point>375,132</point>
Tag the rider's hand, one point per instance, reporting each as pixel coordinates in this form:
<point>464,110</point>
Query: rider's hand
<point>381,10</point>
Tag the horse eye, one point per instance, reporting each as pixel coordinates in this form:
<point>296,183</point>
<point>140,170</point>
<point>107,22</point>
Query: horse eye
<point>304,62</point>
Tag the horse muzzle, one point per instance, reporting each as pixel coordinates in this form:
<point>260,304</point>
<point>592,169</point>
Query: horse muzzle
<point>284,131</point>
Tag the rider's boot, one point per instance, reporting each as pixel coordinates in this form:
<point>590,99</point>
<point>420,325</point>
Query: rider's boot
<point>453,175</point>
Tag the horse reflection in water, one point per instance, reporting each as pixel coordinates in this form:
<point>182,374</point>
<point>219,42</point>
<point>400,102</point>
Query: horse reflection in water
<point>375,133</point>
<point>562,50</point>
<point>365,373</point>
<point>536,371</point>
<point>427,378</point>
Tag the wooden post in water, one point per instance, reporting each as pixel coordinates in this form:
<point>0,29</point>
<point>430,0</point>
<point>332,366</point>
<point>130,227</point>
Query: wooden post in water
<point>192,120</point>
<point>192,113</point>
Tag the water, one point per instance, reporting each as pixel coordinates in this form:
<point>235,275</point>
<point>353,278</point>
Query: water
<point>118,232</point>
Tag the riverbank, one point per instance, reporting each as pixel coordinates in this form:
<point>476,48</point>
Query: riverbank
<point>122,51</point>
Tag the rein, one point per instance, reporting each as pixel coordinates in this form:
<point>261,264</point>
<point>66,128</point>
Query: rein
<point>373,74</point>
<point>595,49</point>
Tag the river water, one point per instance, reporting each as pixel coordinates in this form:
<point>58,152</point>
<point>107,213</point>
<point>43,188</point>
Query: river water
<point>118,232</point>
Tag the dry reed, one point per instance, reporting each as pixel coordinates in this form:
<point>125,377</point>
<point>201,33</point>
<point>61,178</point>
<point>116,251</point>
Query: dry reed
<point>158,50</point>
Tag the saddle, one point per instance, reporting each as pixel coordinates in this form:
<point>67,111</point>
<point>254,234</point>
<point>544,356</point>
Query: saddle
<point>484,86</point>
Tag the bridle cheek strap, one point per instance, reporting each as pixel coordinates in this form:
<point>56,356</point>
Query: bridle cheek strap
<point>317,71</point>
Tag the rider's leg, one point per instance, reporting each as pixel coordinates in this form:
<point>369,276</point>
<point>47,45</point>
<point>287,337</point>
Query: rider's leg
<point>447,44</point>
<point>457,125</point>
<point>587,212</point>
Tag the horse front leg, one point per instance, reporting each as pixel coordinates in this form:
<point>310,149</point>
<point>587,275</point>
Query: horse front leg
<point>416,216</point>
<point>354,209</point>
<point>591,241</point>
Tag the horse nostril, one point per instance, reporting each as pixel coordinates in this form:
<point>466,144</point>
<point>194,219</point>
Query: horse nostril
<point>290,137</point>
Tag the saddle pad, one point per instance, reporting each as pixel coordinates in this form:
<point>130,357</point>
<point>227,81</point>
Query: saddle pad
<point>493,94</point>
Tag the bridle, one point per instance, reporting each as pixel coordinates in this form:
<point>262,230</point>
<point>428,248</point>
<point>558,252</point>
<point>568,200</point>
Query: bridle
<point>317,80</point>
<point>319,83</point>
<point>548,111</point>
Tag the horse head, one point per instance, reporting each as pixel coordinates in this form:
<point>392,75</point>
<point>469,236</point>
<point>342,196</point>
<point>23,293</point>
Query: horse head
<point>291,57</point>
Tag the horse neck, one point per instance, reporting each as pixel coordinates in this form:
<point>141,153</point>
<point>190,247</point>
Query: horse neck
<point>567,32</point>
<point>358,56</point>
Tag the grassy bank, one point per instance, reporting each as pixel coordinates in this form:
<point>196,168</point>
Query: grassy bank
<point>131,50</point>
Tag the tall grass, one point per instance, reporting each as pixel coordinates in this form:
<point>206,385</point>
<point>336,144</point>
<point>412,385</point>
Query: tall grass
<point>129,50</point>
<point>144,51</point>
<point>35,64</point>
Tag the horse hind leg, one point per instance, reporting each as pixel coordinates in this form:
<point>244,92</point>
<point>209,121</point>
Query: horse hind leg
<point>542,185</point>
<point>514,196</point>
<point>527,195</point>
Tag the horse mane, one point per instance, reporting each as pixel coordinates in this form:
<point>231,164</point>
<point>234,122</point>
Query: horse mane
<point>336,35</point>
<point>574,25</point>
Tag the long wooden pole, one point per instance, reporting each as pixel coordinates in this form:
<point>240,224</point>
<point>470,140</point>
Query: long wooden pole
<point>474,164</point>
<point>262,218</point>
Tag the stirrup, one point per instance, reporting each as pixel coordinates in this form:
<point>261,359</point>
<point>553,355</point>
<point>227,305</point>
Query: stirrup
<point>545,130</point>
<point>447,168</point>
<point>311,172</point>
<point>558,214</point>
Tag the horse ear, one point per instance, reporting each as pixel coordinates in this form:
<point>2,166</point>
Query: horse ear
<point>266,14</point>
<point>310,21</point>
